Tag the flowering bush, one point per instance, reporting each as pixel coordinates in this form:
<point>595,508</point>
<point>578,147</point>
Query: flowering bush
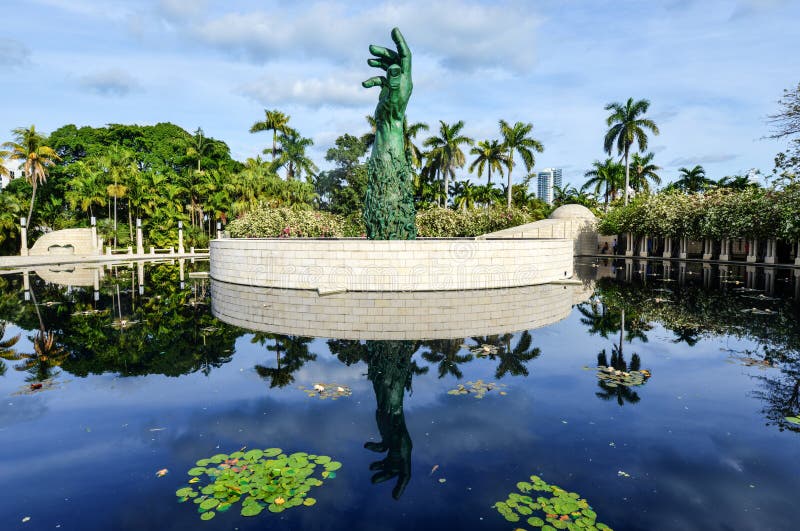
<point>434,222</point>
<point>720,213</point>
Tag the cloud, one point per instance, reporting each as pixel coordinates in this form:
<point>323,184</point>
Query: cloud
<point>174,9</point>
<point>461,36</point>
<point>111,82</point>
<point>310,92</point>
<point>13,53</point>
<point>703,159</point>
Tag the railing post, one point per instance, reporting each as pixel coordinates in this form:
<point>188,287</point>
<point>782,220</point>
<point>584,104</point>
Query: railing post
<point>770,257</point>
<point>752,253</point>
<point>725,251</point>
<point>180,237</point>
<point>629,244</point>
<point>683,251</point>
<point>643,246</point>
<point>139,237</point>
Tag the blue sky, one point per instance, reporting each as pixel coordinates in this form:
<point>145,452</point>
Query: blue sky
<point>713,70</point>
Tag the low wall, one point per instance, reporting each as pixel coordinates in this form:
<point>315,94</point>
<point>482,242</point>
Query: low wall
<point>384,316</point>
<point>65,242</point>
<point>582,232</point>
<point>397,265</point>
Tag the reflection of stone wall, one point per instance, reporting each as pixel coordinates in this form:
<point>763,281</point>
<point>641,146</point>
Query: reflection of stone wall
<point>68,241</point>
<point>373,315</point>
<point>70,276</point>
<point>410,265</point>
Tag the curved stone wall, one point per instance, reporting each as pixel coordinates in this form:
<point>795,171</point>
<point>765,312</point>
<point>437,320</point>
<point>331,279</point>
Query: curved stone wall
<point>330,265</point>
<point>406,315</point>
<point>66,241</point>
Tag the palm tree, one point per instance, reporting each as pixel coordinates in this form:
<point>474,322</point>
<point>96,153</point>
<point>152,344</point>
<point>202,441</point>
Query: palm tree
<point>490,155</point>
<point>197,146</point>
<point>512,360</point>
<point>693,180</point>
<point>446,154</point>
<point>643,171</point>
<point>737,182</point>
<point>274,121</point>
<point>625,128</point>
<point>293,156</point>
<point>118,165</point>
<point>516,138</point>
<point>445,352</point>
<point>34,157</point>
<point>608,175</point>
<point>410,132</point>
<point>86,188</point>
<point>464,194</point>
<point>7,351</point>
<point>10,210</point>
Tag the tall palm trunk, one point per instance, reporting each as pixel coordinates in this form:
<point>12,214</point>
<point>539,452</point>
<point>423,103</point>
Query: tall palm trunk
<point>627,173</point>
<point>489,181</point>
<point>30,209</point>
<point>510,166</point>
<point>274,143</point>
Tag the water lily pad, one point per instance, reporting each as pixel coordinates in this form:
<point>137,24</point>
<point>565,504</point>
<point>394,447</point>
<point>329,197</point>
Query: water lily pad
<point>333,465</point>
<point>197,471</point>
<point>308,502</point>
<point>251,509</point>
<point>207,515</point>
<point>272,452</point>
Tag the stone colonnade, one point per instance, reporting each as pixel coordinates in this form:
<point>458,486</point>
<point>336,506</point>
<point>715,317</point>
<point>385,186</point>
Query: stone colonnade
<point>638,246</point>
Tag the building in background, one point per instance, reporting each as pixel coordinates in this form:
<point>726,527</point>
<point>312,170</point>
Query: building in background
<point>549,178</point>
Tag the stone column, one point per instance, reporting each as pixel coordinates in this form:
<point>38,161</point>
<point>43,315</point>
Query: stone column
<point>770,256</point>
<point>23,236</point>
<point>683,251</point>
<point>667,247</point>
<point>643,246</point>
<point>181,264</point>
<point>629,244</point>
<point>181,250</point>
<point>769,280</point>
<point>708,248</point>
<point>95,247</point>
<point>750,277</point>
<point>140,274</point>
<point>707,274</point>
<point>723,277</point>
<point>26,285</point>
<point>139,237</point>
<point>667,270</point>
<point>628,270</point>
<point>96,284</point>
<point>725,252</point>
<point>752,255</point>
<point>797,254</point>
<point>681,273</point>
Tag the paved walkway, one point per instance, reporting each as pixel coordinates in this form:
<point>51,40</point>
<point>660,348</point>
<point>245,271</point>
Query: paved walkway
<point>8,262</point>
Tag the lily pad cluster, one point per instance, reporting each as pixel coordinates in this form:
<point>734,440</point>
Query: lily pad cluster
<point>555,508</point>
<point>259,479</point>
<point>612,377</point>
<point>481,351</point>
<point>324,391</point>
<point>477,389</point>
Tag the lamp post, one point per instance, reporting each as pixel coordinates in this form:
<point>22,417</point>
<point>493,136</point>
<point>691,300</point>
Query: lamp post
<point>23,234</point>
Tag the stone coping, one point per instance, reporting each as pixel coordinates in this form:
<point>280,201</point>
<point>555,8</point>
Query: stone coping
<point>332,265</point>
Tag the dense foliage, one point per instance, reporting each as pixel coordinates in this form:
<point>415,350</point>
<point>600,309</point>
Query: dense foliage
<point>719,213</point>
<point>432,222</point>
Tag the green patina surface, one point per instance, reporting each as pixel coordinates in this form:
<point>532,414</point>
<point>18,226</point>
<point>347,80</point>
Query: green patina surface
<point>389,203</point>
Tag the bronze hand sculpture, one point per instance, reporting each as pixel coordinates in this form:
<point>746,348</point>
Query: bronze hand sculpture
<point>389,203</point>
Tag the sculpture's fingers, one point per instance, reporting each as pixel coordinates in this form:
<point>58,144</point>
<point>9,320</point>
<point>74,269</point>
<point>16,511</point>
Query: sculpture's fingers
<point>378,63</point>
<point>377,81</point>
<point>380,51</point>
<point>402,49</point>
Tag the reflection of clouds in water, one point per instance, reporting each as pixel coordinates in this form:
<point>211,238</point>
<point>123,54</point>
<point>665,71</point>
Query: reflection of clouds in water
<point>17,409</point>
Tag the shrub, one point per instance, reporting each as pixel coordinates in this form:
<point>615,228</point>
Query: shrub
<point>268,222</point>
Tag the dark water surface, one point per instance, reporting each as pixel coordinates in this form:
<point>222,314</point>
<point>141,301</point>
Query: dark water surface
<point>139,376</point>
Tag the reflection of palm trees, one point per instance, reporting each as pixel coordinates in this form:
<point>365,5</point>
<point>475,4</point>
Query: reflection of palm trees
<point>512,359</point>
<point>291,353</point>
<point>47,355</point>
<point>445,352</point>
<point>686,334</point>
<point>7,351</point>
<point>390,369</point>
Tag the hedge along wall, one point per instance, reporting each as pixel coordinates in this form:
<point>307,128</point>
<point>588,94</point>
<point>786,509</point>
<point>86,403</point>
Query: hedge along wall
<point>722,213</point>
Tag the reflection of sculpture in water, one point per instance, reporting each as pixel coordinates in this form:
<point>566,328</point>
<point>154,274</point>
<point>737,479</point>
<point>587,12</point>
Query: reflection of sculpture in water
<point>390,369</point>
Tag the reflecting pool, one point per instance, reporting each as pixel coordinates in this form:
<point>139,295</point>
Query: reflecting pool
<point>648,395</point>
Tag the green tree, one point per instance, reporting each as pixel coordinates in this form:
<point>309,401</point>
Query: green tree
<point>293,155</point>
<point>692,180</point>
<point>644,172</point>
<point>626,126</point>
<point>517,139</point>
<point>489,155</point>
<point>274,121</point>
<point>445,152</point>
<point>86,188</point>
<point>34,157</point>
<point>606,175</point>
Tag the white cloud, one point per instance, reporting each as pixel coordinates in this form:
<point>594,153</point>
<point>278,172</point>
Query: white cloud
<point>111,82</point>
<point>461,36</point>
<point>13,53</point>
<point>311,92</point>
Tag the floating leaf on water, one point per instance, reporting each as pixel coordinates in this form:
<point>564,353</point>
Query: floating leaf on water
<point>251,509</point>
<point>185,491</point>
<point>333,465</point>
<point>197,471</point>
<point>793,420</point>
<point>207,515</point>
<point>210,503</point>
<point>272,452</point>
